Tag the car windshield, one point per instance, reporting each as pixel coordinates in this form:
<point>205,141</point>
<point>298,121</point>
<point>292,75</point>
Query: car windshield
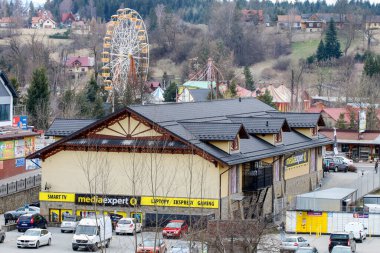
<point>150,243</point>
<point>174,225</point>
<point>32,232</point>
<point>341,250</point>
<point>338,237</point>
<point>290,240</point>
<point>69,218</point>
<point>24,218</point>
<point>85,230</point>
<point>124,222</point>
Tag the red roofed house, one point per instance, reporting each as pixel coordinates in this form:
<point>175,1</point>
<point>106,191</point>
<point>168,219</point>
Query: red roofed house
<point>80,64</point>
<point>286,21</point>
<point>152,86</point>
<point>44,19</point>
<point>67,19</point>
<point>7,22</point>
<point>256,16</point>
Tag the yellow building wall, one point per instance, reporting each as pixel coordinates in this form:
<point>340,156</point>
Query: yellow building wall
<point>305,131</point>
<point>132,127</point>
<point>267,137</point>
<point>268,160</point>
<point>311,222</point>
<point>223,145</point>
<point>319,160</point>
<point>224,181</point>
<point>171,175</point>
<point>298,170</point>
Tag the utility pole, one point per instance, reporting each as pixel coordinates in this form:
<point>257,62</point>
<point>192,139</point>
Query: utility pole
<point>292,91</point>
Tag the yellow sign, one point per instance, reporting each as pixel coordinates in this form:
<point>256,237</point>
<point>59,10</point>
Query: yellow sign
<point>57,196</point>
<point>179,202</point>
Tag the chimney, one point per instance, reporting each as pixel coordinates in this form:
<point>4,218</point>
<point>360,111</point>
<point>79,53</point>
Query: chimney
<point>267,123</point>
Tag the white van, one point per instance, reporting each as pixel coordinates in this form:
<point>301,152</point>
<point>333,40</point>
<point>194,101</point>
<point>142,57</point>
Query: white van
<point>358,229</point>
<point>92,233</point>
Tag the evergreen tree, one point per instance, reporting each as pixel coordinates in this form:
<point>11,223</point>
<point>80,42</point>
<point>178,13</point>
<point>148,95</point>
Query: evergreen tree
<point>267,99</point>
<point>232,89</point>
<point>92,90</point>
<point>352,120</point>
<point>37,103</point>
<point>321,54</point>
<point>341,123</point>
<point>170,93</point>
<point>249,83</point>
<point>332,45</point>
<point>372,120</point>
<point>372,65</point>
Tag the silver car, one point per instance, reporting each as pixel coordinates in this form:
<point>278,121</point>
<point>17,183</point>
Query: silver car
<point>292,243</point>
<point>69,223</point>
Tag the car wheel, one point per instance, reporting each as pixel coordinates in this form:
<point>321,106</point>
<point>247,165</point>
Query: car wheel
<point>19,230</point>
<point>37,244</point>
<point>49,242</point>
<point>336,169</point>
<point>2,239</point>
<point>361,239</point>
<point>62,231</point>
<point>18,246</point>
<point>75,248</point>
<point>117,233</point>
<point>107,243</point>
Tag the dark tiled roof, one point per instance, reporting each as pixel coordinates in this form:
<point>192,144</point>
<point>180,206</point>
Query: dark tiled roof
<point>261,125</point>
<point>299,120</point>
<point>65,127</point>
<point>212,131</point>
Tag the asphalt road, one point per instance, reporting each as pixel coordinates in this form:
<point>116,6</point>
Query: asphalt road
<point>61,242</point>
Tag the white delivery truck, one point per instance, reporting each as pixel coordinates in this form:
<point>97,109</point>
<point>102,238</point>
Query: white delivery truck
<point>92,233</point>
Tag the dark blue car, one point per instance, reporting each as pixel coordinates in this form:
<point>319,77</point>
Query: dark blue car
<point>30,220</point>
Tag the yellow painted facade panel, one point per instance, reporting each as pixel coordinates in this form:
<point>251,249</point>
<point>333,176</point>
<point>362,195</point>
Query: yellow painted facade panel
<point>109,132</point>
<point>223,145</point>
<point>305,131</point>
<point>311,222</point>
<point>266,137</point>
<point>132,174</point>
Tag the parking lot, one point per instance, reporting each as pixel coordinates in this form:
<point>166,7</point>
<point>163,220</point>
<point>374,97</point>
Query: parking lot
<point>62,242</point>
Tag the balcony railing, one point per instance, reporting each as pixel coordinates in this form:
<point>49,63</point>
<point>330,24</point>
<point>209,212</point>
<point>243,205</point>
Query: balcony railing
<point>257,175</point>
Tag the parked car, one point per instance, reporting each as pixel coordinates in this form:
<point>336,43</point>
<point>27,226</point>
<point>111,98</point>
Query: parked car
<point>292,243</point>
<point>334,164</point>
<point>31,220</point>
<point>342,239</point>
<point>148,246</point>
<point>15,214</point>
<point>307,250</point>
<point>186,247</point>
<point>128,226</point>
<point>357,229</point>
<point>175,228</point>
<point>69,223</point>
<point>34,237</point>
<point>2,235</point>
<point>342,249</point>
<point>349,162</point>
<point>114,219</point>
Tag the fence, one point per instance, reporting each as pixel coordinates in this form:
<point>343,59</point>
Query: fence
<point>367,182</point>
<point>20,185</point>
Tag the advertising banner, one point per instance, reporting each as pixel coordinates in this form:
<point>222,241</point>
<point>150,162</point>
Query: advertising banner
<point>7,150</point>
<point>107,200</point>
<point>362,121</point>
<point>179,202</point>
<point>23,122</point>
<point>16,121</point>
<point>297,159</point>
<point>29,145</point>
<point>19,148</point>
<point>57,196</point>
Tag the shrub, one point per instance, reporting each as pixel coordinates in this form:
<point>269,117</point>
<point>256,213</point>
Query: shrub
<point>65,35</point>
<point>281,64</point>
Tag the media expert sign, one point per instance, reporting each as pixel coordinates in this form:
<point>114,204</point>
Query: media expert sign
<point>57,197</point>
<point>179,202</point>
<point>107,200</point>
<point>297,159</point>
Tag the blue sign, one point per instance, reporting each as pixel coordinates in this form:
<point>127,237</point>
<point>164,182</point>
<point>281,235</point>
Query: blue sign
<point>20,162</point>
<point>24,122</point>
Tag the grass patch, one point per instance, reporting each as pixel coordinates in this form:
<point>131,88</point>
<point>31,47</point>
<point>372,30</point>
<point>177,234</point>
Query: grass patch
<point>303,49</point>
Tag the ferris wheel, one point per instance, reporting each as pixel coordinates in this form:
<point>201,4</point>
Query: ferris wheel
<point>125,55</point>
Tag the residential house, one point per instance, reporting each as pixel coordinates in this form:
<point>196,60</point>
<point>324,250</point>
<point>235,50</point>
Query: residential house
<point>79,25</point>
<point>7,94</point>
<point>67,19</point>
<point>43,20</point>
<point>339,19</point>
<point>152,86</point>
<point>372,22</point>
<point>253,16</point>
<point>6,22</point>
<point>289,21</point>
<point>239,156</point>
<point>193,95</point>
<point>313,23</point>
<point>80,64</point>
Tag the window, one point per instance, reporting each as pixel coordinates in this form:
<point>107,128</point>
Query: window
<point>5,112</point>
<point>314,131</point>
<point>278,137</point>
<point>235,144</point>
<point>83,69</point>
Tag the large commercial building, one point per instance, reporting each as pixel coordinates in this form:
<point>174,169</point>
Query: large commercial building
<point>220,158</point>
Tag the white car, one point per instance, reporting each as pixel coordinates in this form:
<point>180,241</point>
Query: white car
<point>345,160</point>
<point>69,223</point>
<point>34,237</point>
<point>292,243</point>
<point>127,226</point>
<point>358,230</point>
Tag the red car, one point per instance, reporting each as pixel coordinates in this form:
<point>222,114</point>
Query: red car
<point>148,246</point>
<point>175,229</point>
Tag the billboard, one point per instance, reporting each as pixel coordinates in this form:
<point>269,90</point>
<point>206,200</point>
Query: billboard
<point>7,150</point>
<point>20,122</point>
<point>362,121</point>
<point>29,145</point>
<point>297,158</point>
<point>19,148</point>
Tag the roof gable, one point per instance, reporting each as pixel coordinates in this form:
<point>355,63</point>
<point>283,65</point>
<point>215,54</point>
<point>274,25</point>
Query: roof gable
<point>300,120</point>
<point>8,86</point>
<point>262,125</point>
<point>211,131</point>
